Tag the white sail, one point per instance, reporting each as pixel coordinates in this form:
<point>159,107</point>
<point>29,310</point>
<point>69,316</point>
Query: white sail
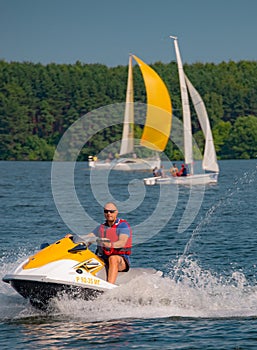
<point>209,160</point>
<point>188,154</point>
<point>127,142</point>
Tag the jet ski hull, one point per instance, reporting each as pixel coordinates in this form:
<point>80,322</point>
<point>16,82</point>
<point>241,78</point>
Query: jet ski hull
<point>65,268</point>
<point>41,293</point>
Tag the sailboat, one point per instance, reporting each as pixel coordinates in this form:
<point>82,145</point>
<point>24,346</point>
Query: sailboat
<point>209,162</point>
<point>157,126</point>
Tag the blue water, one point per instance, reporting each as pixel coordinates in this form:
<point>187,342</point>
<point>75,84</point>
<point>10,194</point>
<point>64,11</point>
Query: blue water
<point>208,296</point>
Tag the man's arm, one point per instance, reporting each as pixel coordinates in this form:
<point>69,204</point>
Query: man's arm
<point>123,237</point>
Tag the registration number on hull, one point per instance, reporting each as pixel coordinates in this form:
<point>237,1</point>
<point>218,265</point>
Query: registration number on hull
<point>87,280</point>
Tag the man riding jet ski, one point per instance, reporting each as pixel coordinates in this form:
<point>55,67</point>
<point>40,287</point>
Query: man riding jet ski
<point>69,267</point>
<point>116,239</point>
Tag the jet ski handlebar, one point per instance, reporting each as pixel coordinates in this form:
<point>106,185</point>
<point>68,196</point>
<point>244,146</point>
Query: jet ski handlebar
<point>101,241</point>
<point>89,240</point>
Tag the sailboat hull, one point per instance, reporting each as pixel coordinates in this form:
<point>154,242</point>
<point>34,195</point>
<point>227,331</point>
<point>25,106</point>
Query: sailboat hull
<point>198,179</point>
<point>128,164</point>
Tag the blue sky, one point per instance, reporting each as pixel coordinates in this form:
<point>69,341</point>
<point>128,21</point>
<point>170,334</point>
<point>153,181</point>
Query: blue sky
<point>107,31</point>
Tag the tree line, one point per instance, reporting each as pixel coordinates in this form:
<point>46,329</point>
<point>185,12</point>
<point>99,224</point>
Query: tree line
<point>39,102</point>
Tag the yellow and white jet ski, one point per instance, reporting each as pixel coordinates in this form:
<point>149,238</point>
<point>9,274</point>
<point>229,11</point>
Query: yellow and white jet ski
<point>68,267</point>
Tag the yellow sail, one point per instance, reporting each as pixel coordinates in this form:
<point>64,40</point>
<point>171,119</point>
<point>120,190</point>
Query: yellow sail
<point>159,110</point>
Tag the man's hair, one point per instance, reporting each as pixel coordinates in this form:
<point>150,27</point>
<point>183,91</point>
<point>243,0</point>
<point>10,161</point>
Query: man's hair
<point>112,204</point>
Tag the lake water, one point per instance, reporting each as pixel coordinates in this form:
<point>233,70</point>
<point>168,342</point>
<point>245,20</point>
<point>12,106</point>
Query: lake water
<point>203,239</point>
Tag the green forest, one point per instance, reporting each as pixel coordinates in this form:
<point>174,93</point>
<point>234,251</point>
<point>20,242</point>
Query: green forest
<point>39,102</point>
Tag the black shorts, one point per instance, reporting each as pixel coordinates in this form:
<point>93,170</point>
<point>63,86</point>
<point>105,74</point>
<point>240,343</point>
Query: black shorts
<point>125,257</point>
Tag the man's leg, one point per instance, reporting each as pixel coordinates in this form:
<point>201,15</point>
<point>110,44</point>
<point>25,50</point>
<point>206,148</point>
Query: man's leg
<point>116,263</point>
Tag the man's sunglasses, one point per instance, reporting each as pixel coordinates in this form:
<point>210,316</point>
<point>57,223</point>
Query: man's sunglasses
<point>106,211</point>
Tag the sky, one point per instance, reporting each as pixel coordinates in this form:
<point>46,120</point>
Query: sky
<point>107,31</point>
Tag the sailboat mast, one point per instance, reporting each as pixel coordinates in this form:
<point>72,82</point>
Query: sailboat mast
<point>188,152</point>
<point>127,142</point>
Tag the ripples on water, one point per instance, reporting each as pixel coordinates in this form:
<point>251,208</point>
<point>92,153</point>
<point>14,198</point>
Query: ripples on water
<point>209,285</point>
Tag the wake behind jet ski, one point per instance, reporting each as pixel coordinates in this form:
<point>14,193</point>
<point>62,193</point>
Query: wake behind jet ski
<point>66,267</point>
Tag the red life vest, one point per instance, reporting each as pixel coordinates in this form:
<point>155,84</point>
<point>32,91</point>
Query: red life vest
<point>111,234</point>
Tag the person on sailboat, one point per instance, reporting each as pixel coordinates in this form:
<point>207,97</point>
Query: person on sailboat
<point>161,171</point>
<point>174,170</point>
<point>182,171</point>
<point>155,172</point>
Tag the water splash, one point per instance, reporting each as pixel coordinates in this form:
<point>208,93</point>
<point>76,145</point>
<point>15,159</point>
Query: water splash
<point>247,178</point>
<point>197,293</point>
<point>189,292</point>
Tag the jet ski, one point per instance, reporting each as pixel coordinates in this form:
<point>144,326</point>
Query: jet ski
<point>66,267</point>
